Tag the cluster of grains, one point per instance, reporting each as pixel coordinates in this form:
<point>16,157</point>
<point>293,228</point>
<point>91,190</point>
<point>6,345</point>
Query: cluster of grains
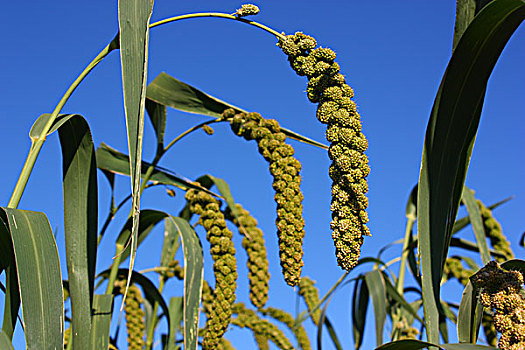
<point>225,345</point>
<point>349,169</point>
<point>502,291</point>
<point>135,323</point>
<point>247,10</point>
<point>289,321</point>
<point>286,183</point>
<point>174,270</point>
<point>406,331</point>
<point>261,328</point>
<point>495,234</point>
<point>454,269</point>
<point>253,243</point>
<point>224,266</point>
<point>310,294</point>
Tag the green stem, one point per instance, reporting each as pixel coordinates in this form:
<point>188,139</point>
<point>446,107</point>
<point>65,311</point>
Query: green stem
<point>190,130</point>
<point>37,143</point>
<point>219,15</point>
<point>404,255</point>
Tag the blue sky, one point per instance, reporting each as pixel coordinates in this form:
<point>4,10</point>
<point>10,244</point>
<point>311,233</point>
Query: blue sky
<point>393,55</point>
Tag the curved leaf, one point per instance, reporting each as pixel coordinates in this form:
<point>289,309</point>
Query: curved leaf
<point>39,277</point>
<point>376,286</point>
<point>477,223</point>
<point>112,160</point>
<point>359,308</point>
<point>12,293</point>
<point>193,273</point>
<point>157,116</point>
<point>469,316</point>
<point>450,138</point>
<point>80,222</point>
<point>171,92</point>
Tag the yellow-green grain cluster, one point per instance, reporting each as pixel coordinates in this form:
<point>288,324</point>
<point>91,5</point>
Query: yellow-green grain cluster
<point>174,270</point>
<point>135,322</point>
<point>225,344</point>
<point>262,329</point>
<point>406,331</point>
<point>495,234</point>
<point>349,169</point>
<point>454,269</point>
<point>286,183</point>
<point>289,321</point>
<point>224,266</point>
<point>253,243</point>
<point>310,294</point>
<point>247,10</point>
<point>502,291</point>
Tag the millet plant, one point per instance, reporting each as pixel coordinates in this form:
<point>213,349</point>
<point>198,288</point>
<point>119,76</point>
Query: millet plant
<point>206,231</point>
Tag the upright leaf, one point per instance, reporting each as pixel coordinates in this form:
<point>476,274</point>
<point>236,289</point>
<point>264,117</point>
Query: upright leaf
<point>157,116</point>
<point>39,277</point>
<point>450,137</point>
<point>12,294</point>
<point>134,17</point>
<point>377,289</point>
<point>80,222</point>
<point>359,309</point>
<point>469,316</point>
<point>193,271</point>
<point>5,341</point>
<point>101,321</point>
<point>477,223</point>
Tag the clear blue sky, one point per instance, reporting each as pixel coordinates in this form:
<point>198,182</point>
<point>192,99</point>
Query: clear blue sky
<point>392,53</point>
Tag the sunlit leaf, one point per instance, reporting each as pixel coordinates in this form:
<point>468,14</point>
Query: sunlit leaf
<point>450,138</point>
<point>101,321</point>
<point>377,290</point>
<point>39,277</point>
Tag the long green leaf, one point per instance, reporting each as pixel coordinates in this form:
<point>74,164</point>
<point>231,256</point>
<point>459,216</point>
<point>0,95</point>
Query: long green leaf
<point>471,246</point>
<point>469,316</point>
<point>170,244</point>
<point>463,222</point>
<point>176,314</point>
<point>12,293</point>
<point>359,308</point>
<point>477,223</point>
<point>133,18</point>
<point>39,277</point>
<point>450,138</point>
<point>193,272</point>
<point>394,294</point>
<point>377,289</point>
<point>112,160</point>
<point>80,222</point>
<point>171,92</point>
<point>157,116</point>
<point>101,321</point>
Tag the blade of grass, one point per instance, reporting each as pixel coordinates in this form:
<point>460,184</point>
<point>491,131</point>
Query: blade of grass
<point>101,321</point>
<point>450,138</point>
<point>360,299</point>
<point>39,277</point>
<point>80,222</point>
<point>469,316</point>
<point>5,341</point>
<point>376,286</point>
<point>193,274</point>
<point>134,17</point>
<point>477,223</point>
<point>171,92</point>
<point>157,116</point>
<point>12,294</point>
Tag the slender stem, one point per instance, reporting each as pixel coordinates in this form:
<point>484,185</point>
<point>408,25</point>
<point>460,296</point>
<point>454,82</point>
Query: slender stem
<point>404,255</point>
<point>38,142</point>
<point>114,269</point>
<point>151,328</point>
<point>190,130</point>
<point>219,15</point>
